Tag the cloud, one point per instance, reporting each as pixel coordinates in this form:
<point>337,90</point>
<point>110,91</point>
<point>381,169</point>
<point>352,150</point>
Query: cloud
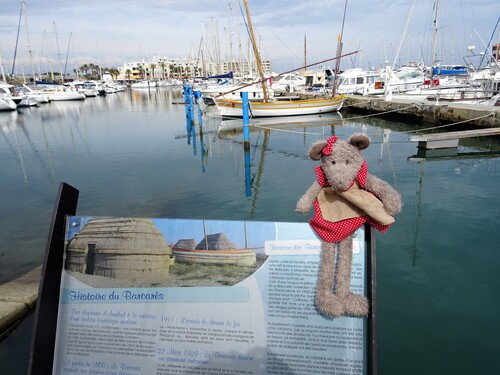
<point>114,31</point>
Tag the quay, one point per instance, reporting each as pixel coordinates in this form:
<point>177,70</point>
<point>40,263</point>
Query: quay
<point>450,139</point>
<point>429,112</point>
<point>17,298</point>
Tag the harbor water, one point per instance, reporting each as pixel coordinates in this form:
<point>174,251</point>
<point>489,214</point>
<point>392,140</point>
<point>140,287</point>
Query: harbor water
<point>131,154</point>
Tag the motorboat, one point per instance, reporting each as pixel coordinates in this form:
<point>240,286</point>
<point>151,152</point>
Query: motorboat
<point>356,81</point>
<point>56,92</point>
<point>404,79</point>
<point>228,91</point>
<point>6,102</point>
<point>289,82</point>
<point>144,84</point>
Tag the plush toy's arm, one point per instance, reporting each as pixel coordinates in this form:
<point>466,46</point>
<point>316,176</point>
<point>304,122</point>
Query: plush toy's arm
<point>306,201</point>
<point>386,193</point>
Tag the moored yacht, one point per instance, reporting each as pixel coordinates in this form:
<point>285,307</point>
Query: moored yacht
<point>55,91</point>
<point>356,81</point>
<point>6,102</point>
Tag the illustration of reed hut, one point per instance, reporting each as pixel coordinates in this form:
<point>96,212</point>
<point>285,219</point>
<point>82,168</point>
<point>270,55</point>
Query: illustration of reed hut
<point>121,248</point>
<point>188,244</point>
<point>213,248</point>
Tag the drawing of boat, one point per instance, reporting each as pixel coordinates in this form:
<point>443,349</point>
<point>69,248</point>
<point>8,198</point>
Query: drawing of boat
<point>213,249</point>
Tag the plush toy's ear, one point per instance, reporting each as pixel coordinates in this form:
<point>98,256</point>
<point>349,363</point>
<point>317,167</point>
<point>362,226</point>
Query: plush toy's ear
<point>316,148</point>
<point>360,141</point>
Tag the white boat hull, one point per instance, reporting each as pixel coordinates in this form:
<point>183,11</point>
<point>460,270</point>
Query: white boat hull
<point>282,122</point>
<point>144,85</point>
<point>65,95</point>
<point>232,108</point>
<point>7,104</point>
<point>236,257</point>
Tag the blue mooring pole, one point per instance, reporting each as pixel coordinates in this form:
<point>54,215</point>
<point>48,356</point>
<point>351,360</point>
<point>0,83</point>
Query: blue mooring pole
<point>248,173</point>
<point>197,95</point>
<point>246,120</point>
<point>188,105</point>
<point>246,142</point>
<point>191,103</point>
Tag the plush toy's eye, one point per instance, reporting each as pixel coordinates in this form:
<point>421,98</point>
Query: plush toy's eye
<point>347,161</point>
<point>333,161</point>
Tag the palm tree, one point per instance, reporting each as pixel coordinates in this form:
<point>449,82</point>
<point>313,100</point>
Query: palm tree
<point>84,69</point>
<point>153,66</point>
<point>162,65</point>
<point>127,72</point>
<point>94,70</point>
<point>114,72</point>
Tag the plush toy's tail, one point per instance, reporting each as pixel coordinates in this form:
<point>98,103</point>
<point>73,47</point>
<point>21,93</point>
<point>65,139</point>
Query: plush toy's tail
<point>333,295</point>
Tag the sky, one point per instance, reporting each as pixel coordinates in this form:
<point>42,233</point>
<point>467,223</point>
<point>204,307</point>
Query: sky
<point>67,33</point>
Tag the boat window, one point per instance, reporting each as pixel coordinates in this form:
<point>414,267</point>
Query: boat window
<point>359,80</point>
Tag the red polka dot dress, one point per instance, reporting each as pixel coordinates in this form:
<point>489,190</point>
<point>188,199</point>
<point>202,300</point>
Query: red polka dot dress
<point>337,231</point>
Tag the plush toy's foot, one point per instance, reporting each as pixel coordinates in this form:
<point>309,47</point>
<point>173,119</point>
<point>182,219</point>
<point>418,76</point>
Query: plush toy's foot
<point>356,305</point>
<point>329,304</point>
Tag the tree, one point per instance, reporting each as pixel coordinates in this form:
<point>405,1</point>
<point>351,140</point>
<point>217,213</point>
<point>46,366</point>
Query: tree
<point>114,72</point>
<point>84,69</point>
<point>94,71</point>
<point>162,65</point>
<point>153,66</point>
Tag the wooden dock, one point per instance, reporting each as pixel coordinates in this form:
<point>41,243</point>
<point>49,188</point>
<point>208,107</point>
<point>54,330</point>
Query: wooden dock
<point>450,139</point>
<point>17,298</point>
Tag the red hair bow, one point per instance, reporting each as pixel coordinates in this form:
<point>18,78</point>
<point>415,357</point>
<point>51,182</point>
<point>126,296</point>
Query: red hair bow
<point>327,150</point>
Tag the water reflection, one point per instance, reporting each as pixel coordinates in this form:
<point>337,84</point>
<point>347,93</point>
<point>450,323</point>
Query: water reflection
<point>154,98</point>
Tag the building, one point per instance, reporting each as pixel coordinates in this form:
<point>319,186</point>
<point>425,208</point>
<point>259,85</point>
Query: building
<point>161,68</point>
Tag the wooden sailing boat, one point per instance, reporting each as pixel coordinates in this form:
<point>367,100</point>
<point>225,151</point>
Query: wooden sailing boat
<point>275,107</point>
<point>213,249</point>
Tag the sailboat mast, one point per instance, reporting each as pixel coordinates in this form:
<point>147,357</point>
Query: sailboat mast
<point>17,41</point>
<point>305,52</point>
<point>58,54</point>
<point>433,56</point>
<point>339,53</point>
<point>205,235</point>
<point>246,239</point>
<point>1,67</point>
<point>28,40</point>
<point>256,53</point>
<point>67,53</point>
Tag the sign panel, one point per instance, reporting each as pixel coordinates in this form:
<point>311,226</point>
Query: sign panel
<point>169,296</point>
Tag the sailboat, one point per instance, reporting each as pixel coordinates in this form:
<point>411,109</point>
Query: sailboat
<point>275,107</point>
<point>213,249</point>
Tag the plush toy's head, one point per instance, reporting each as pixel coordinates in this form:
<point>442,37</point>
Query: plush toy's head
<point>341,160</point>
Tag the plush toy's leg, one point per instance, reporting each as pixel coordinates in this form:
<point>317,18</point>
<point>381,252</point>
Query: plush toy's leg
<point>326,301</point>
<point>354,304</point>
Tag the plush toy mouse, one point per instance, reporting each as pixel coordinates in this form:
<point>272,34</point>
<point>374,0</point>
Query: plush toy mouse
<point>345,196</point>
